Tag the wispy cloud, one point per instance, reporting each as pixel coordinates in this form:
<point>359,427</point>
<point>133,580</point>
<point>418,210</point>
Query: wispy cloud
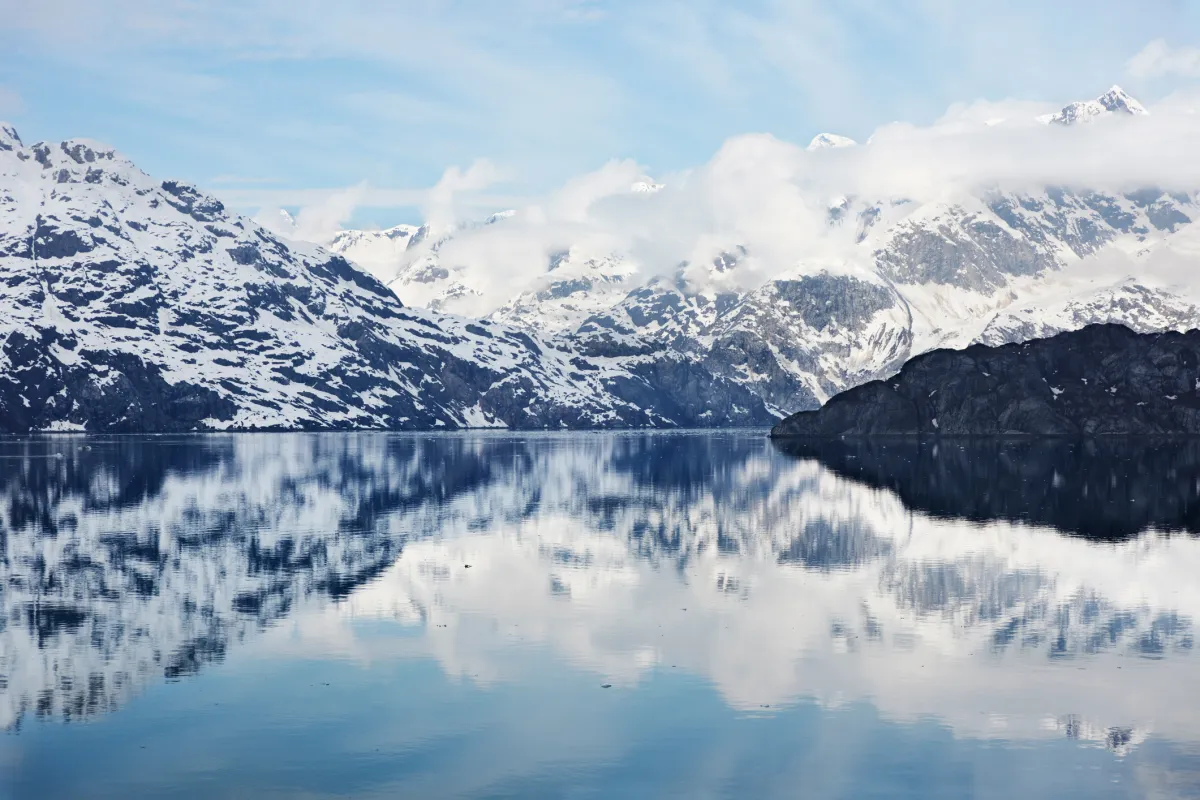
<point>10,102</point>
<point>332,94</point>
<point>1158,59</point>
<point>773,197</point>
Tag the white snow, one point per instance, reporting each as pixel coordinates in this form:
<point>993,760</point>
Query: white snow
<point>824,141</point>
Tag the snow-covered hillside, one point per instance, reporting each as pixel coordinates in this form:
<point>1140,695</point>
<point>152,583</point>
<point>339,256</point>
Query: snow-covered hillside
<point>988,264</point>
<point>128,303</point>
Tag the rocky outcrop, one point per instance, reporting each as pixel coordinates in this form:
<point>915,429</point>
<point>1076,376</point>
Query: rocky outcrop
<point>1101,380</point>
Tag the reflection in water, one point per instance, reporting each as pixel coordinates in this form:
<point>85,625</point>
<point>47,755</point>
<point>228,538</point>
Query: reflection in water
<point>923,579</point>
<point>1106,488</point>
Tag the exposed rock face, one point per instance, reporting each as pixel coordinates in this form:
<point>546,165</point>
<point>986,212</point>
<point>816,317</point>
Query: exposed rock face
<point>1101,380</point>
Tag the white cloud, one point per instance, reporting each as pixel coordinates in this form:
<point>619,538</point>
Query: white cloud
<point>10,101</point>
<point>773,197</point>
<point>442,204</point>
<point>1158,59</point>
<point>316,222</point>
<point>458,196</point>
<point>987,112</point>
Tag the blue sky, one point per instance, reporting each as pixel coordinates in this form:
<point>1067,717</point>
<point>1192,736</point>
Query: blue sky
<point>277,103</point>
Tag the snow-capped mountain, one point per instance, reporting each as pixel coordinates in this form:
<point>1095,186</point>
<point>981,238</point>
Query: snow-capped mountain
<point>1114,101</point>
<point>823,140</point>
<point>134,303</point>
<point>986,265</point>
<point>129,303</point>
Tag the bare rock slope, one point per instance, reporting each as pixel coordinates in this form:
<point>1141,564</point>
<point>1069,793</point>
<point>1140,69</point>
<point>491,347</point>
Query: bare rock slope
<point>1101,380</point>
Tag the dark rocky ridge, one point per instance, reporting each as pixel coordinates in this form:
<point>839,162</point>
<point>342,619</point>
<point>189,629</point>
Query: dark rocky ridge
<point>1100,380</point>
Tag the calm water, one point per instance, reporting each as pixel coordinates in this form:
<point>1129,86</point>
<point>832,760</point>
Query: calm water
<point>595,615</point>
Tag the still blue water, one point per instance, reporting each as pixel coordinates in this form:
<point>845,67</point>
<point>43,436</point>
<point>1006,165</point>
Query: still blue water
<point>597,615</point>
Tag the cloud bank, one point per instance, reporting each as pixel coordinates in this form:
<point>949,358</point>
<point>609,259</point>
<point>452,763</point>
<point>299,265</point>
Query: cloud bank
<point>774,197</point>
<point>1159,59</point>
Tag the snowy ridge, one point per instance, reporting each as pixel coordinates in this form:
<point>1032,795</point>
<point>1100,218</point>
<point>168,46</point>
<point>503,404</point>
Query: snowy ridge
<point>134,304</point>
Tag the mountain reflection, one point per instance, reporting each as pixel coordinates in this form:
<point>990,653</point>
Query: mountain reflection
<point>1109,488</point>
<point>895,575</point>
<point>129,558</point>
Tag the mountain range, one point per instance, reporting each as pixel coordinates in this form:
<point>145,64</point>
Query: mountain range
<point>987,266</point>
<point>130,303</point>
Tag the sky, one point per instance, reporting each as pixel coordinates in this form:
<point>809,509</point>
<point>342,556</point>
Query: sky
<point>287,102</point>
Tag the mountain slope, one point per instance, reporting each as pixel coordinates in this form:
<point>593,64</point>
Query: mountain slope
<point>132,304</point>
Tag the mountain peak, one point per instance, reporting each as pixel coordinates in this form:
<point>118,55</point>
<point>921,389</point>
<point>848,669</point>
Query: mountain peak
<point>1115,101</point>
<point>500,215</point>
<point>826,140</point>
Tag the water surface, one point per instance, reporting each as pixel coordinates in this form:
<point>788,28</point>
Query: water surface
<point>597,615</point>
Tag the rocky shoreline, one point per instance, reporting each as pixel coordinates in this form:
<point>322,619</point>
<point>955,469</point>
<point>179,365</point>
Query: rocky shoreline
<point>1100,380</point>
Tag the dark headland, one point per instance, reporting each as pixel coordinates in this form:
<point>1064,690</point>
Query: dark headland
<point>1099,380</point>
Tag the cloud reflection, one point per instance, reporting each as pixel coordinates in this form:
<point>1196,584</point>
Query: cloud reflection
<point>773,577</point>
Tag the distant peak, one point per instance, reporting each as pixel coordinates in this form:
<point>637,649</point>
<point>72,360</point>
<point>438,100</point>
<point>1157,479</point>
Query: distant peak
<point>826,140</point>
<point>1115,101</point>
<point>646,187</point>
<point>353,236</point>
